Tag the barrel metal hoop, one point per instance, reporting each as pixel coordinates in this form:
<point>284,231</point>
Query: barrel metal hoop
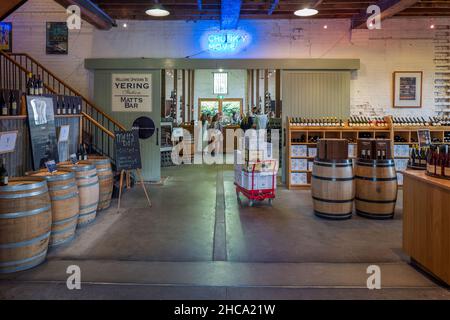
<point>88,185</point>
<point>88,213</point>
<point>332,178</point>
<point>376,201</point>
<point>65,197</point>
<point>61,241</point>
<point>70,185</point>
<point>59,222</point>
<point>375,179</point>
<point>80,168</point>
<point>333,164</point>
<point>87,177</point>
<point>103,169</point>
<point>332,201</point>
<point>12,263</point>
<point>23,195</point>
<point>383,216</point>
<point>22,214</point>
<point>333,216</point>
<point>24,243</point>
<point>22,187</point>
<point>375,165</point>
<point>88,205</point>
<point>65,230</point>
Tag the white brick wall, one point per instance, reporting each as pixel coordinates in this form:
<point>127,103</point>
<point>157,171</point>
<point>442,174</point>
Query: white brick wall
<point>401,44</point>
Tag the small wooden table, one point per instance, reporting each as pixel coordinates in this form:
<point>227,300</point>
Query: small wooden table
<point>426,223</point>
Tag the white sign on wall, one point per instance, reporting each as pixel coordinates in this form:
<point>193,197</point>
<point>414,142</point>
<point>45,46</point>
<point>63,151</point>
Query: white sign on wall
<point>131,92</point>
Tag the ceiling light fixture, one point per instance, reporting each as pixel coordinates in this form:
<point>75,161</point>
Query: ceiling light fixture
<point>157,10</point>
<point>306,12</point>
<point>325,27</point>
<point>432,26</point>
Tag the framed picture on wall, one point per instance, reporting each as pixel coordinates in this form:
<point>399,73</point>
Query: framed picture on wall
<point>407,89</point>
<point>57,38</point>
<point>6,36</point>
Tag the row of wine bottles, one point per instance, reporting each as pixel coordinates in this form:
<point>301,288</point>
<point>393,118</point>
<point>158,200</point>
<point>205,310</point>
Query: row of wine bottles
<point>35,86</point>
<point>359,121</point>
<point>418,156</point>
<point>82,152</point>
<point>9,103</point>
<point>323,122</point>
<point>67,105</point>
<point>416,121</point>
<point>438,161</point>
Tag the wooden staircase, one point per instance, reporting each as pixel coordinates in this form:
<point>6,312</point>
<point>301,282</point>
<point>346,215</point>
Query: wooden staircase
<point>98,127</point>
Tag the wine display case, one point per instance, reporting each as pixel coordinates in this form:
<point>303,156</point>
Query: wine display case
<point>302,137</point>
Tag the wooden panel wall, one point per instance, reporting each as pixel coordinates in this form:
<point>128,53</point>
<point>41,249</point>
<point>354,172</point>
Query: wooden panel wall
<point>314,94</point>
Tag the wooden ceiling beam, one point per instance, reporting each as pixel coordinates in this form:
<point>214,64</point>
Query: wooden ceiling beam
<point>388,9</point>
<point>8,7</point>
<point>91,13</point>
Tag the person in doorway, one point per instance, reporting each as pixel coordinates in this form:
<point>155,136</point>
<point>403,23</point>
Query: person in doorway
<point>261,120</point>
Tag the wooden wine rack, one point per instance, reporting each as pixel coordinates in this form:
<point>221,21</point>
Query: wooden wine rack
<point>344,132</point>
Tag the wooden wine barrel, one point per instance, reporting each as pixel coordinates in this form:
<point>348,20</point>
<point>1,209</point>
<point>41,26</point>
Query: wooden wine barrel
<point>88,188</point>
<point>65,202</point>
<point>25,223</point>
<point>376,188</point>
<point>106,179</point>
<point>333,188</point>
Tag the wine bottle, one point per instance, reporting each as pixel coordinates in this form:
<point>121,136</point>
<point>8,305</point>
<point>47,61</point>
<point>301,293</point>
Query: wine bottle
<point>80,152</point>
<point>85,154</point>
<point>3,174</point>
<point>36,85</point>
<point>13,105</point>
<point>63,106</point>
<point>30,84</point>
<point>3,104</point>
<point>40,85</point>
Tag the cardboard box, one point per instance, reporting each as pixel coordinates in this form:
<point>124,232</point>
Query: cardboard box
<point>262,166</point>
<point>312,152</point>
<point>332,149</point>
<point>258,181</point>
<point>254,155</point>
<point>299,178</point>
<point>299,164</point>
<point>299,151</point>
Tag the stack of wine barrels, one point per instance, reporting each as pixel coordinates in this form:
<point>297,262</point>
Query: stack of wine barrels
<point>65,204</point>
<point>88,188</point>
<point>25,223</point>
<point>332,181</point>
<point>105,177</point>
<point>376,188</point>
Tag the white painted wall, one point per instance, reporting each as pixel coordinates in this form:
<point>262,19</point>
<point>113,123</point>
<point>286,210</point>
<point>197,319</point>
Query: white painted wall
<point>401,44</point>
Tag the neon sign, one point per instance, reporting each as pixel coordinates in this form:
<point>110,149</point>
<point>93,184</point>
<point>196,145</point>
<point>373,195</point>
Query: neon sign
<point>227,40</point>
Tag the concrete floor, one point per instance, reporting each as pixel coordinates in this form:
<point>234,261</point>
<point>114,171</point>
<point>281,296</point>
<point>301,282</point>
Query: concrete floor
<point>196,242</point>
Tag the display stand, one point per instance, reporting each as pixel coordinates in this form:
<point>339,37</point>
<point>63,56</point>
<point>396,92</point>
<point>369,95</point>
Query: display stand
<point>127,173</point>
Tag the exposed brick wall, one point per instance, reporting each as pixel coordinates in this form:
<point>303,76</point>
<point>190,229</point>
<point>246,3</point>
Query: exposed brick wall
<point>401,45</point>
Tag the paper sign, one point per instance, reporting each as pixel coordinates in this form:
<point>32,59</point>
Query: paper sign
<point>424,138</point>
<point>51,166</point>
<point>73,158</point>
<point>64,133</point>
<point>131,92</point>
<point>8,141</point>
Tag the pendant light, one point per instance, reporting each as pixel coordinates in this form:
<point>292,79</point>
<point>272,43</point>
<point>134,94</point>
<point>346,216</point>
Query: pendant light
<point>157,10</point>
<point>306,12</point>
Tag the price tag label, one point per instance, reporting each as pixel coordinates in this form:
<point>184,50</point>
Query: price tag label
<point>51,166</point>
<point>73,158</point>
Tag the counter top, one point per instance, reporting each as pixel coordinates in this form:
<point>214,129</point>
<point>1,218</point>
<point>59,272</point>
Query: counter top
<point>421,176</point>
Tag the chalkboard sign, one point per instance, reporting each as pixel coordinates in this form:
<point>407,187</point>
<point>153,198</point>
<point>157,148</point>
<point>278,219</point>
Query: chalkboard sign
<point>41,122</point>
<point>128,152</point>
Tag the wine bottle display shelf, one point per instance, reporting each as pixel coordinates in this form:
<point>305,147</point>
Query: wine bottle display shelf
<point>301,140</point>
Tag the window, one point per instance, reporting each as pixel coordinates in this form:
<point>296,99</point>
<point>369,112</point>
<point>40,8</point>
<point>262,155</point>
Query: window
<point>220,83</point>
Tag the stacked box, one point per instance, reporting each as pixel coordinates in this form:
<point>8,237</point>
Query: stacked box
<point>258,180</point>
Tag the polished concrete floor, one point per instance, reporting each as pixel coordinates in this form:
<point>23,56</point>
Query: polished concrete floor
<point>196,242</point>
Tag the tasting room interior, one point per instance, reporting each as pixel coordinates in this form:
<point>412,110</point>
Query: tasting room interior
<point>233,149</point>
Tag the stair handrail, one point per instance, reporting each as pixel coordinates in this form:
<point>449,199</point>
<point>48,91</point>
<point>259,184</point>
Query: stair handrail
<point>76,92</point>
<point>98,125</point>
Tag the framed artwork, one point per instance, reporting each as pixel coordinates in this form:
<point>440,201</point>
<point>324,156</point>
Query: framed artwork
<point>407,89</point>
<point>57,38</point>
<point>6,36</point>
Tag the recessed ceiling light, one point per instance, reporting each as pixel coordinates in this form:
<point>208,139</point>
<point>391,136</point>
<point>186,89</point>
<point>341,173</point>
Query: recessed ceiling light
<point>157,11</point>
<point>325,27</point>
<point>220,70</point>
<point>125,25</point>
<point>432,26</point>
<point>306,12</point>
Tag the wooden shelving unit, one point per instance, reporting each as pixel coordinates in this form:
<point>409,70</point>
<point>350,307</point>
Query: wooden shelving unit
<point>300,178</point>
